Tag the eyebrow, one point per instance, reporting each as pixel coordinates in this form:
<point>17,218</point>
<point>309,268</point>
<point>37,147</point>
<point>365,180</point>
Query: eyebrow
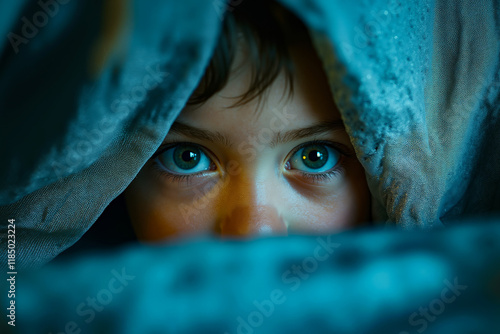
<point>315,129</point>
<point>278,139</point>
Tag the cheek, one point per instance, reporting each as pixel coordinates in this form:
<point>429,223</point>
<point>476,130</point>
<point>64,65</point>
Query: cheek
<point>158,213</point>
<point>344,206</point>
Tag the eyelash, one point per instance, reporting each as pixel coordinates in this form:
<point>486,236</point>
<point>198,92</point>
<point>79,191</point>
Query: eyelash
<point>315,177</point>
<point>180,178</point>
<point>320,177</point>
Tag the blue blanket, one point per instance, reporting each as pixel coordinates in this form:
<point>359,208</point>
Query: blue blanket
<point>390,281</point>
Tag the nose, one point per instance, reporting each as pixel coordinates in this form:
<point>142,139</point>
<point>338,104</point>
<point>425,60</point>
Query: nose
<point>252,221</point>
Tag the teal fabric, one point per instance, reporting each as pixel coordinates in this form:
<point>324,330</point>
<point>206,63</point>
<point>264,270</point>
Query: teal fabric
<point>77,139</point>
<point>401,282</point>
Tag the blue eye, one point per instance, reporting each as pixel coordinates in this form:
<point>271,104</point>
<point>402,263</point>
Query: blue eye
<point>314,158</point>
<point>184,159</point>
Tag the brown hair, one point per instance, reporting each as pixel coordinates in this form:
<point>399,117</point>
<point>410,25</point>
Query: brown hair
<point>268,30</point>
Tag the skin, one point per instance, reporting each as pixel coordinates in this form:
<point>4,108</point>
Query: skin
<point>250,189</point>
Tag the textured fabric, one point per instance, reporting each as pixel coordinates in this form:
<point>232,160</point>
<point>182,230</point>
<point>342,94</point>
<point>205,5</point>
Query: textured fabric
<point>85,103</point>
<point>79,133</point>
<point>399,282</point>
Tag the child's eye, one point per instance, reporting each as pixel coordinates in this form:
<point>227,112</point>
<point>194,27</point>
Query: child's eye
<point>184,159</point>
<point>314,158</point>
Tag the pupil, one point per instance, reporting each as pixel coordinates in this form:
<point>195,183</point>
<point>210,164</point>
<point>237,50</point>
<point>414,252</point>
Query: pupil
<point>314,155</point>
<point>188,155</point>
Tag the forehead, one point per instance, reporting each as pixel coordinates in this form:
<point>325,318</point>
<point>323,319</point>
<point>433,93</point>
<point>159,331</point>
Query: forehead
<point>310,102</point>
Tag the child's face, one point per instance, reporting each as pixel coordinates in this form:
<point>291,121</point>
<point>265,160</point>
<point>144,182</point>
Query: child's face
<point>246,171</point>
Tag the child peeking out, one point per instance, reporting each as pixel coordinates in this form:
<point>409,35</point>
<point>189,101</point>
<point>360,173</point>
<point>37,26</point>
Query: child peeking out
<point>259,149</point>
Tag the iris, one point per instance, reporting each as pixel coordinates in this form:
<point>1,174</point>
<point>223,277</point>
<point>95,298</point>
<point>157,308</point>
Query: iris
<point>315,158</point>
